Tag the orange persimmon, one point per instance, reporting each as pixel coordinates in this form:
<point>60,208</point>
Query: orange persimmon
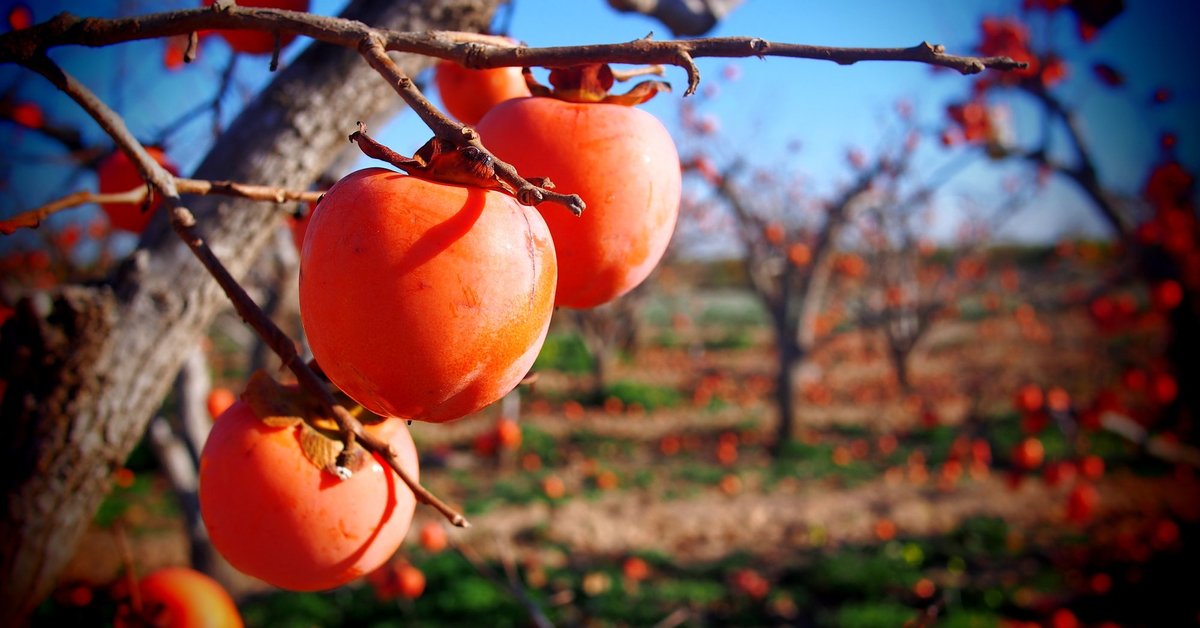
<point>273,514</point>
<point>258,42</point>
<point>469,94</point>
<point>181,598</point>
<point>117,174</point>
<point>624,165</point>
<point>424,300</point>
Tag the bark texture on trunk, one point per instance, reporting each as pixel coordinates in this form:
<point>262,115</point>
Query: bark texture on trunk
<point>86,368</point>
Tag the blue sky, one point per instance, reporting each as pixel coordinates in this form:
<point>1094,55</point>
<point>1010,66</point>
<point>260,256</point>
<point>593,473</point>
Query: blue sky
<point>777,102</point>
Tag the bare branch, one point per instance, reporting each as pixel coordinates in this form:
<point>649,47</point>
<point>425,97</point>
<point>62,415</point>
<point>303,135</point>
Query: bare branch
<point>445,128</point>
<point>33,218</point>
<point>466,48</point>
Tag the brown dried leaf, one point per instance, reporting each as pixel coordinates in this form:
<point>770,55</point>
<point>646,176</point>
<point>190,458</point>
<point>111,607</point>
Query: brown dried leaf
<point>273,403</point>
<point>325,451</point>
<point>638,94</point>
<point>320,450</point>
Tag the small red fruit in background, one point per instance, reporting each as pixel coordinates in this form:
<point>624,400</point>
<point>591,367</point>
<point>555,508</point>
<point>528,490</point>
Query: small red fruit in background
<point>410,581</point>
<point>433,537</point>
<point>20,17</point>
<point>749,582</point>
<point>397,578</point>
<point>469,94</point>
<point>635,569</point>
<point>1092,467</point>
<point>1167,295</point>
<point>256,42</point>
<point>117,174</point>
<point>181,598</point>
<point>1029,398</point>
<point>28,115</point>
<point>553,487</point>
<point>1081,502</point>
<point>218,401</point>
<point>1028,454</point>
<point>508,433</point>
<point>424,300</point>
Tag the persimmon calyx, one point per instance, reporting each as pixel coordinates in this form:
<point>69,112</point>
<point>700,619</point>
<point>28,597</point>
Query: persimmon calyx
<point>591,83</point>
<point>445,162</point>
<point>280,406</point>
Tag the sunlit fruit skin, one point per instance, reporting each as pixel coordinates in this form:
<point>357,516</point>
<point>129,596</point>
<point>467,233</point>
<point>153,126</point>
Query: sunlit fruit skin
<point>117,174</point>
<point>183,598</point>
<point>255,42</point>
<point>624,165</point>
<point>275,516</point>
<point>469,94</point>
<point>424,300</point>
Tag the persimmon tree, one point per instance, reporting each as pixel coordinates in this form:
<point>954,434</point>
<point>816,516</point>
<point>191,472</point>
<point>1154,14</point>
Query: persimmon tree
<point>911,282</point>
<point>1155,229</point>
<point>794,247</point>
<point>85,366</point>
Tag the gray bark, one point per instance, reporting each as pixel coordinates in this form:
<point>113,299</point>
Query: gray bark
<point>86,370</point>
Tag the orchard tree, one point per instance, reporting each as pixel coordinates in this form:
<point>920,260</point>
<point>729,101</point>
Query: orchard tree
<point>793,248</point>
<point>1158,233</point>
<point>912,282</point>
<point>85,365</point>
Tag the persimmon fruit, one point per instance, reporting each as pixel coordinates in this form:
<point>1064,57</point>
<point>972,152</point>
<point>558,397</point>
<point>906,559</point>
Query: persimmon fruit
<point>624,165</point>
<point>469,94</point>
<point>433,537</point>
<point>256,42</point>
<point>117,174</point>
<point>180,597</point>
<point>218,401</point>
<point>424,300</point>
<point>275,515</point>
<point>1028,454</point>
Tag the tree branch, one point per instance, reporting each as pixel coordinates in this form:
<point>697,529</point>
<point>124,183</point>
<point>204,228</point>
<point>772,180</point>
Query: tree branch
<point>466,48</point>
<point>33,218</point>
<point>447,129</point>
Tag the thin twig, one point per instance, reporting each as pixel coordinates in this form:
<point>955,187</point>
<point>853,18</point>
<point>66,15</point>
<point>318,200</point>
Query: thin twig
<point>33,218</point>
<point>443,127</point>
<point>469,49</point>
<point>135,592</point>
<point>511,583</point>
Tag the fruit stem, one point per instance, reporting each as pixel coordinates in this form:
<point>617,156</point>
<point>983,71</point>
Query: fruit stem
<point>525,191</point>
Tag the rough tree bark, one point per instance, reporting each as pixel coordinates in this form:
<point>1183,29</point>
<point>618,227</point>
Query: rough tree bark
<point>87,368</point>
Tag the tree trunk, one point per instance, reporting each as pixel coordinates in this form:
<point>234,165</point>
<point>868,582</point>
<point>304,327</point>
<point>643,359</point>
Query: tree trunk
<point>789,356</point>
<point>86,369</point>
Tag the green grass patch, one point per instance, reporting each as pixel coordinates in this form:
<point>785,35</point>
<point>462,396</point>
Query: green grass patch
<point>566,353</point>
<point>650,396</point>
